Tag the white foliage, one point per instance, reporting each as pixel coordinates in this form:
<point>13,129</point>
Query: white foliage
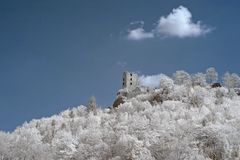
<point>231,80</point>
<point>182,78</point>
<point>211,75</point>
<point>199,79</point>
<point>194,122</point>
<point>166,82</point>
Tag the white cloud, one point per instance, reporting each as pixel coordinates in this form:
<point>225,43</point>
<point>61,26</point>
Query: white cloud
<point>151,81</point>
<point>139,34</point>
<point>177,24</point>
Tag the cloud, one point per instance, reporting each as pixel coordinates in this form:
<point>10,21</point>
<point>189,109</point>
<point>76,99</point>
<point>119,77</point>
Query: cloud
<point>139,34</point>
<point>152,81</point>
<point>177,24</point>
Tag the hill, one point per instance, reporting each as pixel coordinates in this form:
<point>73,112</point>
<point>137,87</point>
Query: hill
<point>194,121</point>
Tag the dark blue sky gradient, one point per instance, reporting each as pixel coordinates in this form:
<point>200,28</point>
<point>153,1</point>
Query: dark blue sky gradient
<point>56,54</point>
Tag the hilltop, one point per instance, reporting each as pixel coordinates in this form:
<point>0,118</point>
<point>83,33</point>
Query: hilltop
<point>179,117</point>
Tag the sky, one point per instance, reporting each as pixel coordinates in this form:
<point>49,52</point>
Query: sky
<point>56,54</point>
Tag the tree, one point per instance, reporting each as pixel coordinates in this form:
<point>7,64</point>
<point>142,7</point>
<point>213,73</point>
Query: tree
<point>92,105</point>
<point>220,93</point>
<point>231,80</point>
<point>64,145</point>
<point>199,79</point>
<point>196,97</point>
<point>26,144</point>
<point>211,75</point>
<point>166,85</point>
<point>166,82</point>
<point>182,78</point>
<point>4,145</point>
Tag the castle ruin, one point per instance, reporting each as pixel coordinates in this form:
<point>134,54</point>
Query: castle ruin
<point>130,81</point>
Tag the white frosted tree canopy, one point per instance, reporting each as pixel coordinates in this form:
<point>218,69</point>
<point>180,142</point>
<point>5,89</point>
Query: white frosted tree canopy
<point>193,121</point>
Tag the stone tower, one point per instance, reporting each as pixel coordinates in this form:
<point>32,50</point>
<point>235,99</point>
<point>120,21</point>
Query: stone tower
<point>130,80</point>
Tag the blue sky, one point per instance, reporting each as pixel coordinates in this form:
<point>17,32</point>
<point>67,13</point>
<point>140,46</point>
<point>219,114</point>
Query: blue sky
<point>56,54</point>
